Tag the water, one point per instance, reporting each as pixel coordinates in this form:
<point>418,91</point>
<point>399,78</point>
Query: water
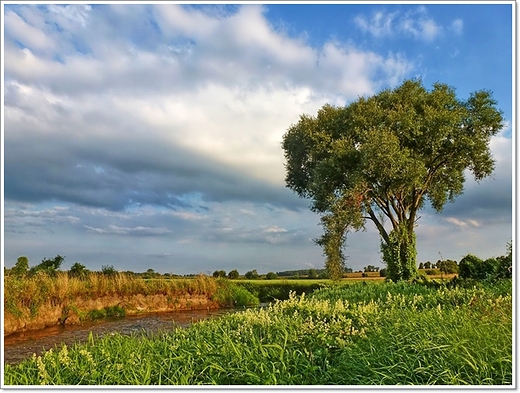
<point>20,346</point>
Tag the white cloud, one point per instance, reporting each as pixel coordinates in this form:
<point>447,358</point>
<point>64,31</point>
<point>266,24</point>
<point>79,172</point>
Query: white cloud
<point>136,231</point>
<point>26,34</point>
<point>415,23</point>
<point>457,26</point>
<point>275,229</point>
<point>379,26</point>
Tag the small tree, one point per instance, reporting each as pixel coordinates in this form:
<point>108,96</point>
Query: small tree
<point>233,274</point>
<point>313,273</point>
<point>271,276</point>
<point>78,270</point>
<point>448,266</point>
<point>421,266</point>
<point>219,274</point>
<point>252,275</point>
<point>48,266</point>
<point>108,270</point>
<point>21,267</point>
<point>473,267</point>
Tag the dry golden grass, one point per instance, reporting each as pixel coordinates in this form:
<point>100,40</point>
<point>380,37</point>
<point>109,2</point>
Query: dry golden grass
<point>29,293</point>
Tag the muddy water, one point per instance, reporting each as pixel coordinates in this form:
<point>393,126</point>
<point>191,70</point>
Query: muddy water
<point>19,346</point>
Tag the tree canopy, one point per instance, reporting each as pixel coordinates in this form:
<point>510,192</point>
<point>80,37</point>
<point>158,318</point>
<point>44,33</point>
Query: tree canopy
<point>379,158</point>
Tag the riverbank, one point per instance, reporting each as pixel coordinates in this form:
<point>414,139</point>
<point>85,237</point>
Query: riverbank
<point>40,301</point>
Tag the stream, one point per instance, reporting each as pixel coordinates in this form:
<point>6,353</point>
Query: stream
<point>21,345</point>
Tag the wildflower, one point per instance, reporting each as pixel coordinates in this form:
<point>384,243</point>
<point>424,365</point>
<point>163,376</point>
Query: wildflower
<point>63,356</point>
<point>88,356</point>
<point>42,372</point>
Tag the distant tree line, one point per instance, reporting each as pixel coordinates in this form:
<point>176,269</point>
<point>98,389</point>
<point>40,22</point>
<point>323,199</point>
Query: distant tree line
<point>470,267</point>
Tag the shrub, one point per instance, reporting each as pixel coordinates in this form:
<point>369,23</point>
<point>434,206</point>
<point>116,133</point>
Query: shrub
<point>271,276</point>
<point>473,267</point>
<point>21,266</point>
<point>219,274</point>
<point>78,270</point>
<point>108,270</point>
<point>252,275</point>
<point>48,266</point>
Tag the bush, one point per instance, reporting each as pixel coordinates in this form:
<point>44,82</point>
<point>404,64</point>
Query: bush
<point>252,275</point>
<point>473,267</point>
<point>108,270</point>
<point>219,274</point>
<point>48,266</point>
<point>271,276</point>
<point>78,270</point>
<point>364,274</point>
<point>382,272</point>
<point>431,272</point>
<point>21,268</point>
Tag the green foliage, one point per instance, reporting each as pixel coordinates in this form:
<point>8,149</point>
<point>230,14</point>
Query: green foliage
<point>473,267</point>
<point>382,157</point>
<point>233,274</point>
<point>108,270</point>
<point>78,270</point>
<point>106,312</point>
<point>219,274</point>
<point>21,267</point>
<point>231,294</point>
<point>448,266</point>
<point>252,275</point>
<point>374,334</point>
<point>271,276</point>
<point>268,291</point>
<point>400,254</point>
<point>48,266</point>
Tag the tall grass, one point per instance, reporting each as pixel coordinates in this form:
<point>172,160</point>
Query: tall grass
<point>374,334</point>
<point>25,295</point>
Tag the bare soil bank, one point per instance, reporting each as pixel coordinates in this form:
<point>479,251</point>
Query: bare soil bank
<point>73,311</point>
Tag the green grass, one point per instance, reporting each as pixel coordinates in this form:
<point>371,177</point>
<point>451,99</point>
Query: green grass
<point>270,290</point>
<point>358,334</point>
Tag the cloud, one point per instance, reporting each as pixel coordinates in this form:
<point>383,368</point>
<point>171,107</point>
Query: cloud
<point>135,231</point>
<point>457,26</point>
<point>462,224</point>
<point>196,104</point>
<point>380,25</point>
<point>415,23</point>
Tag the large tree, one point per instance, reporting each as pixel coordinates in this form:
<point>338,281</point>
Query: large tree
<point>379,158</point>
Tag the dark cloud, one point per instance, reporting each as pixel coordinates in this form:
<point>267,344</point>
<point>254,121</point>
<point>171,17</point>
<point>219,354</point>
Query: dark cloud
<point>117,174</point>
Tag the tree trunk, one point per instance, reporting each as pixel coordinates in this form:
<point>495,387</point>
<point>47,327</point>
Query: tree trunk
<point>400,254</point>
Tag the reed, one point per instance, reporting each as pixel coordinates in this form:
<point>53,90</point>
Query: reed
<point>25,295</point>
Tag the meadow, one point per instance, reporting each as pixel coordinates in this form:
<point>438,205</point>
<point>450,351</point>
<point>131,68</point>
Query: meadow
<point>364,333</point>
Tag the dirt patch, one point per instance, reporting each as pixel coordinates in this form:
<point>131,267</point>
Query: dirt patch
<point>74,311</point>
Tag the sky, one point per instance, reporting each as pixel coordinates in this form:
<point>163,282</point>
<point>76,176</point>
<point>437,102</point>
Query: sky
<point>149,135</point>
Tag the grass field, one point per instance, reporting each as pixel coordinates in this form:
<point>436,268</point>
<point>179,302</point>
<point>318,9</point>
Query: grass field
<point>356,334</point>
